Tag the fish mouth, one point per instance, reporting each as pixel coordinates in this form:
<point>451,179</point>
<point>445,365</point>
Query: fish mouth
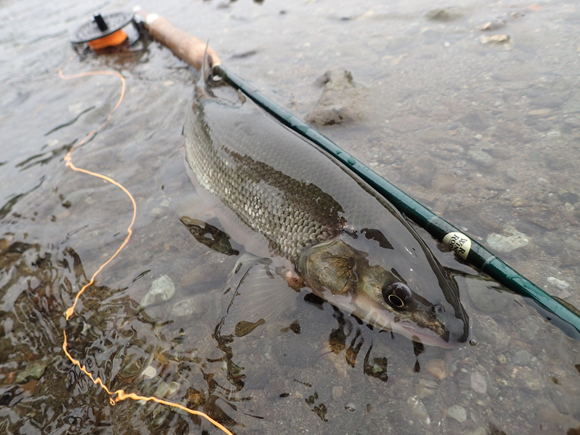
<point>429,338</point>
<point>388,321</point>
<point>423,335</point>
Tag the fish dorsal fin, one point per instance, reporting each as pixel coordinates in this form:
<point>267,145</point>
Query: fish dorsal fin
<point>256,295</point>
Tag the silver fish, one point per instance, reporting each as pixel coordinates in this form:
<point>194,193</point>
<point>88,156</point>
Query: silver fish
<point>285,200</point>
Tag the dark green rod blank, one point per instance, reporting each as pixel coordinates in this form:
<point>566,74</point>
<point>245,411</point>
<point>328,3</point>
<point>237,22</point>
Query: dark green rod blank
<point>439,228</point>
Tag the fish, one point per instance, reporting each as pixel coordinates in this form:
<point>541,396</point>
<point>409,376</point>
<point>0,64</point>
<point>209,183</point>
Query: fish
<point>316,222</point>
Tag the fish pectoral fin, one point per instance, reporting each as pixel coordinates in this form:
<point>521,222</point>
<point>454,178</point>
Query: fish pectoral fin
<point>256,295</point>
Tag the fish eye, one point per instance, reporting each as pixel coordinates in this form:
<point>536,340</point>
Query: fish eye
<point>397,295</point>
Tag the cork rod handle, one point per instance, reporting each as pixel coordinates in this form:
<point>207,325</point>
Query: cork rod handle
<point>185,46</point>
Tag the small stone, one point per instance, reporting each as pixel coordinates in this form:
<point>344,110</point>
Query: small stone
<point>156,212</point>
<point>498,23</point>
<point>149,373</point>
<point>422,171</point>
<point>540,113</point>
<point>504,244</point>
<point>562,285</point>
<point>173,387</point>
<point>495,39</point>
<point>162,390</point>
<point>418,410</point>
<point>162,289</point>
<point>569,197</point>
<point>488,331</point>
<point>519,202</point>
<point>32,371</point>
<point>437,368</point>
<point>337,393</point>
<point>350,407</point>
<point>476,121</point>
<point>444,14</point>
<point>501,358</point>
<point>522,358</point>
<point>426,388</point>
<point>481,158</point>
<point>527,378</point>
<point>478,383</point>
<point>458,413</point>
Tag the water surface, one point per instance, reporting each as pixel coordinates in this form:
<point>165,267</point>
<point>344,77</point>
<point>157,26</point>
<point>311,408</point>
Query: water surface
<point>485,134</point>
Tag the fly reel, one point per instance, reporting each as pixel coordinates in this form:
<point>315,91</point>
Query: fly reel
<point>107,30</point>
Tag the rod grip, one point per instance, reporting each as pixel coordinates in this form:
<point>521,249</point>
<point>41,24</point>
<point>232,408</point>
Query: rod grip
<point>186,47</point>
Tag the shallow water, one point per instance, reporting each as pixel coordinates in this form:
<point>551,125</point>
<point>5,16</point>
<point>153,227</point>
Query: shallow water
<point>484,134</point>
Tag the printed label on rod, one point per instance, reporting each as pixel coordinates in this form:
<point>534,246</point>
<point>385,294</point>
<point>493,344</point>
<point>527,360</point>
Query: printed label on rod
<point>459,242</point>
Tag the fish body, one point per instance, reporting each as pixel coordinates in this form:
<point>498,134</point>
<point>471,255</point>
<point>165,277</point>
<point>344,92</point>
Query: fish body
<point>284,199</point>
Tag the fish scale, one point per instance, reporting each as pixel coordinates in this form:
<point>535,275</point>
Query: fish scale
<point>290,213</point>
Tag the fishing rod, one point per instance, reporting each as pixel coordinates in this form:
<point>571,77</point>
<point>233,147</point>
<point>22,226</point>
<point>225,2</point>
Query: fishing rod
<point>191,50</point>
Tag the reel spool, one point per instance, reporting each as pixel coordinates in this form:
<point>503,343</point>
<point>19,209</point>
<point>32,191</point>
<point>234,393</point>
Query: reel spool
<point>107,30</point>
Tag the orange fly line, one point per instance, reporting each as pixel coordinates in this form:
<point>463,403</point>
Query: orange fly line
<point>118,395</point>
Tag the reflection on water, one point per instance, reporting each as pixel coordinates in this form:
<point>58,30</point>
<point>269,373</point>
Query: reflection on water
<point>316,369</point>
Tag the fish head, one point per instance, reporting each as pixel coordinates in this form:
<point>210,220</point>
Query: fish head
<point>425,310</point>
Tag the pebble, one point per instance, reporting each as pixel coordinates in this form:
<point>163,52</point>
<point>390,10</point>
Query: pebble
<point>527,378</point>
<point>477,121</point>
<point>569,197</point>
<point>478,383</point>
<point>504,244</point>
<point>337,392</point>
<point>481,158</point>
<point>422,171</point>
<point>458,413</point>
<point>32,371</point>
<point>487,330</point>
<point>437,368</point>
<point>495,39</point>
<point>162,289</point>
<point>493,25</point>
<point>522,358</point>
<point>444,14</point>
<point>418,409</point>
<point>540,113</point>
<point>562,285</point>
<point>150,372</point>
<point>426,388</point>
